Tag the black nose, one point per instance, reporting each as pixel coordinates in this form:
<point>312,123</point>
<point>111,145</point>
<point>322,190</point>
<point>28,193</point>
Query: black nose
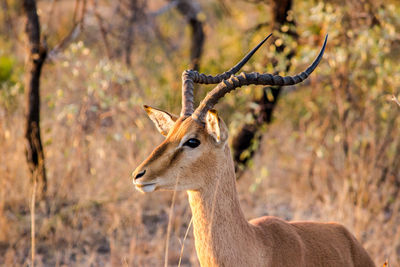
<point>140,174</point>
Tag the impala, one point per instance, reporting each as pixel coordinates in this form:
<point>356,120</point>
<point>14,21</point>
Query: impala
<point>195,157</point>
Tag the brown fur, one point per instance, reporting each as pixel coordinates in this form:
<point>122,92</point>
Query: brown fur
<point>222,235</point>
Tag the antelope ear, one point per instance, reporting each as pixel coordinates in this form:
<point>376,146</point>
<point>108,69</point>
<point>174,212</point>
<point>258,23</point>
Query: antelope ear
<point>162,119</point>
<point>216,127</point>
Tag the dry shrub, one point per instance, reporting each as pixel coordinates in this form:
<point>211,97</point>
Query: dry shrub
<point>332,153</point>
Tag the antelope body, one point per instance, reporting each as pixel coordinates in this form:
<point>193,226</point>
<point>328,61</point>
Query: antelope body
<point>195,157</point>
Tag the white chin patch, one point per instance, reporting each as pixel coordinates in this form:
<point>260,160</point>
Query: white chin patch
<point>147,188</point>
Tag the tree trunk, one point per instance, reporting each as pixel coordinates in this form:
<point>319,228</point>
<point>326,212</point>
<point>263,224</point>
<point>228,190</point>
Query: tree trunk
<point>136,12</point>
<point>267,102</point>
<point>36,57</point>
<point>191,11</point>
<point>129,33</point>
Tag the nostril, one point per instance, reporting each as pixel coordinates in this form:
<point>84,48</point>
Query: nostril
<point>140,174</point>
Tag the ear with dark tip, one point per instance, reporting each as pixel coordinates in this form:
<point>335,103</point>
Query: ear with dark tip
<point>216,127</point>
<point>162,119</point>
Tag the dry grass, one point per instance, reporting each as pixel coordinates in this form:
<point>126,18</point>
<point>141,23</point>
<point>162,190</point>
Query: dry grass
<point>332,153</point>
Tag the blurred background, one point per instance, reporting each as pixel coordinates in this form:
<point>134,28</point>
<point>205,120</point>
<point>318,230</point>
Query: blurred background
<point>327,149</point>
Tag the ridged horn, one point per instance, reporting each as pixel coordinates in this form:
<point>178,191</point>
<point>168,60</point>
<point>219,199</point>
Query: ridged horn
<point>190,77</point>
<point>242,79</point>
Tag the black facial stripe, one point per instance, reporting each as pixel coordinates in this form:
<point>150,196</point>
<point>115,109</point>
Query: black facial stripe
<point>158,152</point>
<point>175,156</point>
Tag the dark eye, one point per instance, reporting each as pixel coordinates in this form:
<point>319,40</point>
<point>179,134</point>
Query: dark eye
<point>192,142</point>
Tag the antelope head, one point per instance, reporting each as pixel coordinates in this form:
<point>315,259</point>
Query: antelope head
<point>195,145</point>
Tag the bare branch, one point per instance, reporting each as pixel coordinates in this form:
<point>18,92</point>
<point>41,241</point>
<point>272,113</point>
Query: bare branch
<point>394,99</point>
<point>103,32</point>
<point>164,9</point>
<point>76,29</point>
<point>191,11</point>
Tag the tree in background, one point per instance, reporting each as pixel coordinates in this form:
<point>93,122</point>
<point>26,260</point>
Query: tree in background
<point>192,12</point>
<point>37,53</point>
<point>136,12</point>
<point>242,142</point>
<point>133,23</point>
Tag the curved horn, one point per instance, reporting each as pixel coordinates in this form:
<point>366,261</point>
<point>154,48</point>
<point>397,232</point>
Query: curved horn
<point>190,77</point>
<point>251,78</point>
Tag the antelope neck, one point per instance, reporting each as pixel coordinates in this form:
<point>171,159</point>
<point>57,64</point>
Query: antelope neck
<point>221,231</point>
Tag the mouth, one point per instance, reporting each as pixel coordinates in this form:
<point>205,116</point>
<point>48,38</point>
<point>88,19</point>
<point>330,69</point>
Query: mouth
<point>146,188</point>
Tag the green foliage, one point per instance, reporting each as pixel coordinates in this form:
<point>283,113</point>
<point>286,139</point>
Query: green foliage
<point>6,68</point>
<point>10,88</point>
<point>333,142</point>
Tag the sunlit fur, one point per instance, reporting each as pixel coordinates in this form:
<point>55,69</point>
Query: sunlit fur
<point>223,237</point>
